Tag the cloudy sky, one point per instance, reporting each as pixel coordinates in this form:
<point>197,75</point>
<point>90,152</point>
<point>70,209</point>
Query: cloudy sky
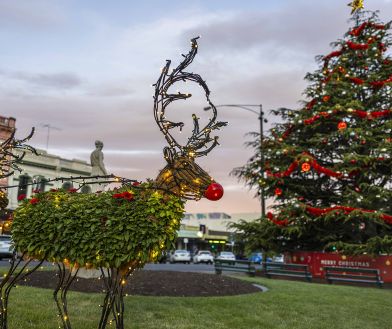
<point>86,68</point>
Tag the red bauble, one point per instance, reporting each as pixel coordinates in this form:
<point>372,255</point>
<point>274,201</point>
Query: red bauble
<point>214,192</point>
<point>278,191</point>
<point>305,166</point>
<point>342,125</point>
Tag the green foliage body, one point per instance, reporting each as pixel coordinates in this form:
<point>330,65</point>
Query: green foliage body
<point>349,167</point>
<point>95,230</point>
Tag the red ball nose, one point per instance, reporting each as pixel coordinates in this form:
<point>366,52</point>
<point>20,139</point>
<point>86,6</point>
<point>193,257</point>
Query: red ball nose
<point>214,192</point>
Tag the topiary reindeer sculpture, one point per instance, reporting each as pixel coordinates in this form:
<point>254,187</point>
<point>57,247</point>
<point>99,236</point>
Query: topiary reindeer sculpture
<point>115,231</point>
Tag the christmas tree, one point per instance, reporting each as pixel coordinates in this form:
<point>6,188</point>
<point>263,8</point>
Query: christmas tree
<point>329,165</point>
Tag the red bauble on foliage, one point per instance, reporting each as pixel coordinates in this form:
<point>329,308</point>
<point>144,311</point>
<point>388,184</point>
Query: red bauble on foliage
<point>214,192</point>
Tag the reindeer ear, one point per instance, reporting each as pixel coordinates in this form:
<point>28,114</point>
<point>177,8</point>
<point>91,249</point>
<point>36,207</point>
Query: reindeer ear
<point>168,154</point>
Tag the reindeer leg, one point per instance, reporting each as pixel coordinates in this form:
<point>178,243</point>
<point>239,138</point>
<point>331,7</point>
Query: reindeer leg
<point>114,302</point>
<point>65,281</point>
<point>68,282</point>
<point>60,282</point>
<point>13,276</point>
<point>118,285</point>
<point>108,301</point>
<point>118,309</point>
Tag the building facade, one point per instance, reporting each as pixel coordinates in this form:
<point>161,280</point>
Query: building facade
<point>7,126</point>
<point>209,231</point>
<point>38,171</point>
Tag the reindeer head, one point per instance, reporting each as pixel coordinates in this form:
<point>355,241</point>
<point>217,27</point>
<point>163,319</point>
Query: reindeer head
<point>182,175</point>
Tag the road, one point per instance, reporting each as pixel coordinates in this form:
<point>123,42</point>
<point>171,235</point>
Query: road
<point>4,264</point>
<point>181,267</point>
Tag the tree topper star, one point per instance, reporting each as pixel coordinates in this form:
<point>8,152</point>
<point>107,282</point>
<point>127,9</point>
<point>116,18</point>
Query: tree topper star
<point>356,5</point>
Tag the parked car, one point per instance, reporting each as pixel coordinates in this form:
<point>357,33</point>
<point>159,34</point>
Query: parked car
<point>6,247</point>
<point>182,256</point>
<point>257,257</point>
<point>226,255</point>
<point>278,259</point>
<point>203,256</point>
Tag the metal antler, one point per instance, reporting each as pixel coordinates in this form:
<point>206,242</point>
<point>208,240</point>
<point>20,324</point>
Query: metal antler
<point>200,138</point>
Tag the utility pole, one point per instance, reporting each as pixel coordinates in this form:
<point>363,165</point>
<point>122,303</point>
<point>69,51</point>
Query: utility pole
<point>261,119</point>
<point>250,108</point>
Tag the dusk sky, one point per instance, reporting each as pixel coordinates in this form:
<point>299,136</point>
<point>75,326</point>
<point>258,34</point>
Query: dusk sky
<point>86,68</point>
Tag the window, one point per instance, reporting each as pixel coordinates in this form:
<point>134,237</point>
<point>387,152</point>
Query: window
<point>85,189</point>
<point>67,186</point>
<point>39,183</point>
<point>23,183</point>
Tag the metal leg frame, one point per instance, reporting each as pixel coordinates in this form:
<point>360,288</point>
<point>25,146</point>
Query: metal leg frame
<point>114,299</point>
<point>13,276</point>
<point>64,282</point>
<point>114,279</point>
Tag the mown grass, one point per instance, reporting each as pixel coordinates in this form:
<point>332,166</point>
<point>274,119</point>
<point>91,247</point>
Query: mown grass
<point>47,267</point>
<point>287,304</point>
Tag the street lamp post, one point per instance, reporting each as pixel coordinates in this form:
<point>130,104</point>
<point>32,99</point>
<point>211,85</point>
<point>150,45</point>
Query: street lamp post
<point>260,114</point>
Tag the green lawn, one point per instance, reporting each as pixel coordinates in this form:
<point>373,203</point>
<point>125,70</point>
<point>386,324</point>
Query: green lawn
<point>287,304</point>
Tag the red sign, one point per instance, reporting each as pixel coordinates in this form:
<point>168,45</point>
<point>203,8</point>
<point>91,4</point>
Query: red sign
<point>317,261</point>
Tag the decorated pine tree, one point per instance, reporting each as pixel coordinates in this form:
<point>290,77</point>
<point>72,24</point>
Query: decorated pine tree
<point>329,165</point>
